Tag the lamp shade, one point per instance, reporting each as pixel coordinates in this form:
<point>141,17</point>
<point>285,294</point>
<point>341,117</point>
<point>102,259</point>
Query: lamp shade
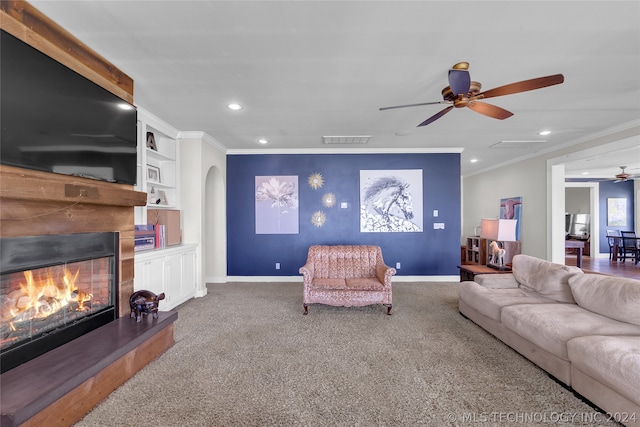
<point>502,230</point>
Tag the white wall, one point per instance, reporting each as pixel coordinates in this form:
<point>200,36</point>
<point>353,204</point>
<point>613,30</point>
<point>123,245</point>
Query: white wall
<point>576,200</point>
<point>541,190</point>
<point>527,179</point>
<point>203,172</point>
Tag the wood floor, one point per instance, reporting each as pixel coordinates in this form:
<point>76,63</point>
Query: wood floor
<point>605,266</point>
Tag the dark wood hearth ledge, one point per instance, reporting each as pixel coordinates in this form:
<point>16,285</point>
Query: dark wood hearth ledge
<point>63,385</point>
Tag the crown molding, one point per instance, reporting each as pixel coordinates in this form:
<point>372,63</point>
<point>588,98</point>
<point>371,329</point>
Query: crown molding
<point>204,137</point>
<point>610,135</point>
<point>432,150</point>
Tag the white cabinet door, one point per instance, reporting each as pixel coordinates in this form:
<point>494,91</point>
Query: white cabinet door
<point>171,270</point>
<point>149,275</point>
<point>173,279</point>
<point>189,284</point>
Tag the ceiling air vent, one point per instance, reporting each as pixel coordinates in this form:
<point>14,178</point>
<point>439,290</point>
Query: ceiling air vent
<point>517,144</point>
<point>361,139</point>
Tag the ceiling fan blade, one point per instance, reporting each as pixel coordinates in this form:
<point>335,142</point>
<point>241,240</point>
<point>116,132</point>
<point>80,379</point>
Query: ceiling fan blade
<point>436,116</point>
<point>412,105</point>
<point>459,81</point>
<point>522,86</point>
<point>489,110</point>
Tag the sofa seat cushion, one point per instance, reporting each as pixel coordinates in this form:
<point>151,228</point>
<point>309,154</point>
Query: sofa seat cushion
<point>357,284</point>
<point>548,279</point>
<point>364,284</point>
<point>337,284</point>
<point>505,280</point>
<point>611,360</point>
<point>491,301</point>
<point>551,326</point>
<point>615,297</point>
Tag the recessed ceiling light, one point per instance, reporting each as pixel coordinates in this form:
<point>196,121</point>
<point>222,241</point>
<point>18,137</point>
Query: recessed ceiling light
<point>544,132</point>
<point>234,107</point>
<point>263,141</point>
<point>402,133</point>
<point>124,106</point>
<point>474,160</point>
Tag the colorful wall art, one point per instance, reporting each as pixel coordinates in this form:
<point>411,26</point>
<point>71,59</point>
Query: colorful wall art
<point>511,208</point>
<point>616,212</point>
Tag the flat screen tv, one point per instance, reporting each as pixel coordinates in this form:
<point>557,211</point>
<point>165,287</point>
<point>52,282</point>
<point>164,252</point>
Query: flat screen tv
<point>55,120</point>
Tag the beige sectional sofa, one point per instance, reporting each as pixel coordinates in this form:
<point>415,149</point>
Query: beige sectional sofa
<point>584,329</point>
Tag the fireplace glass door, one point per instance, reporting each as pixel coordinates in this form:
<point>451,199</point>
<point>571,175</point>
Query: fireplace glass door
<point>61,296</point>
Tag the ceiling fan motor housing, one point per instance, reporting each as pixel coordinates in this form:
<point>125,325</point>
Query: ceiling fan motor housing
<point>474,89</point>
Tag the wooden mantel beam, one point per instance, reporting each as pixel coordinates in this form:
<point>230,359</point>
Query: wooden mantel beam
<point>36,186</point>
<point>22,20</point>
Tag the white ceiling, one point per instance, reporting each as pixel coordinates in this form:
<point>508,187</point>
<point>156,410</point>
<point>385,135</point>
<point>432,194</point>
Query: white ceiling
<point>305,69</point>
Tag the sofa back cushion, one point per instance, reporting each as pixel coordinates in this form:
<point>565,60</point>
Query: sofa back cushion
<point>546,278</point>
<point>344,261</point>
<point>614,297</point>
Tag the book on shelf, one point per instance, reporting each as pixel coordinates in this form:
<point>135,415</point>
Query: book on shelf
<point>144,237</point>
<point>144,243</point>
<point>161,241</point>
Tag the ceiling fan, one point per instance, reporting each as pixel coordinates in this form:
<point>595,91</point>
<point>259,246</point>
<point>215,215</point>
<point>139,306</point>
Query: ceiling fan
<point>462,92</point>
<point>624,177</point>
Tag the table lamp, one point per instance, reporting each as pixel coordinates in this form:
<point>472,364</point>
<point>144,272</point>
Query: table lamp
<point>498,231</point>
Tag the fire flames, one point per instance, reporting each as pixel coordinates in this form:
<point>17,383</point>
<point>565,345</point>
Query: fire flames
<point>43,294</point>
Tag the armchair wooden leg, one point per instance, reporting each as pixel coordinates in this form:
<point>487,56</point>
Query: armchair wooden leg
<point>389,309</point>
<point>306,309</point>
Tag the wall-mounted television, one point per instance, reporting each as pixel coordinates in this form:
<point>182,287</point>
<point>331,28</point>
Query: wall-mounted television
<point>53,119</point>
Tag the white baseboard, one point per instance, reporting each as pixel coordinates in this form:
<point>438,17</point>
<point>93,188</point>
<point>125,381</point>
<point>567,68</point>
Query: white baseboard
<point>271,279</point>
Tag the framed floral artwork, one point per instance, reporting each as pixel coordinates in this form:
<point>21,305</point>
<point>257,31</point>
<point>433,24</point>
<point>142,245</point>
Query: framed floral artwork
<point>276,204</point>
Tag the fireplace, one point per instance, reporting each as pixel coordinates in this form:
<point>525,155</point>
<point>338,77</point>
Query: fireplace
<point>53,289</point>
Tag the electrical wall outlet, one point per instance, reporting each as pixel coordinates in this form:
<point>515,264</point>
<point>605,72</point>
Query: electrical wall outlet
<point>277,266</point>
<point>397,266</point>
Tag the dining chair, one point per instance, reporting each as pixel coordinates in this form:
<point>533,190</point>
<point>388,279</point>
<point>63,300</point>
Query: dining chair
<point>630,246</point>
<point>612,236</point>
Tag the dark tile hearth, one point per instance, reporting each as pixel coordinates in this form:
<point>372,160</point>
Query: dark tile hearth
<point>32,386</point>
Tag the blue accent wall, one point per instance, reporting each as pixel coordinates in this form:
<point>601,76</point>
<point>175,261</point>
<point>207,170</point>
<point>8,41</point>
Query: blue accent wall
<point>609,189</point>
<point>430,252</point>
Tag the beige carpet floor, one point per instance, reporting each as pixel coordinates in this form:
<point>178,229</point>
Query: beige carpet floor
<point>246,356</point>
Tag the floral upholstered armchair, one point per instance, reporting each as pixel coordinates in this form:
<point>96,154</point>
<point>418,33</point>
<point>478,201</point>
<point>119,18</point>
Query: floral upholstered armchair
<point>346,275</point>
